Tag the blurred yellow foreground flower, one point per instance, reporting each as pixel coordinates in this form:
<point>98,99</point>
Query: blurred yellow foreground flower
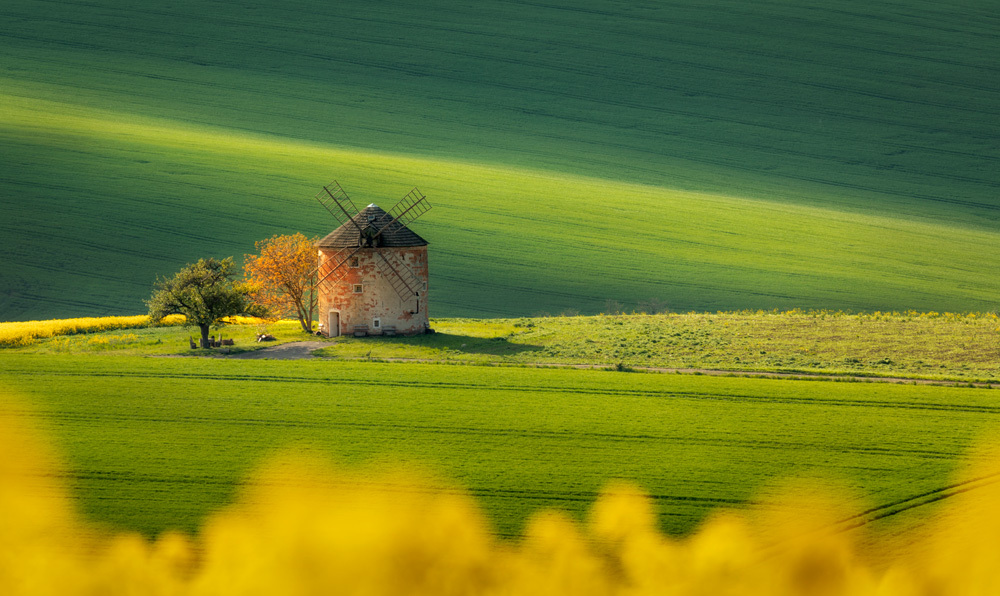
<point>301,526</point>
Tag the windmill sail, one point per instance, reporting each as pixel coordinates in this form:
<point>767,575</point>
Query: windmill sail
<point>332,270</point>
<point>403,282</point>
<point>409,208</point>
<point>336,201</point>
<point>369,250</point>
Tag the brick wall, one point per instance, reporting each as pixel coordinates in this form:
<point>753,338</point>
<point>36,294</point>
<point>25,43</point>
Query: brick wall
<point>376,300</point>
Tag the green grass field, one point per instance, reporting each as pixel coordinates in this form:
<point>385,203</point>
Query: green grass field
<point>959,347</point>
<point>933,346</point>
<point>725,156</point>
<point>155,443</point>
<point>714,156</point>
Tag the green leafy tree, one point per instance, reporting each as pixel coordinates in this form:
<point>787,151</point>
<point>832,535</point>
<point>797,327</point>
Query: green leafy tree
<point>204,292</point>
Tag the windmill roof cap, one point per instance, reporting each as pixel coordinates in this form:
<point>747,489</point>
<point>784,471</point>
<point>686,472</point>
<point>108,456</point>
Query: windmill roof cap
<point>395,235</point>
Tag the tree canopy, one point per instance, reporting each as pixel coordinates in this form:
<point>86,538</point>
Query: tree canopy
<point>204,292</point>
<point>283,277</point>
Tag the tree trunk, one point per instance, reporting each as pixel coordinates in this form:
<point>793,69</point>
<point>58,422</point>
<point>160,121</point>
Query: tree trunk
<point>305,327</point>
<point>304,314</point>
<point>204,336</point>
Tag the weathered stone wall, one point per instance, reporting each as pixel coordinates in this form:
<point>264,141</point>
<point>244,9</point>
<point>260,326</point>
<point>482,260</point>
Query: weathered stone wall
<point>377,299</point>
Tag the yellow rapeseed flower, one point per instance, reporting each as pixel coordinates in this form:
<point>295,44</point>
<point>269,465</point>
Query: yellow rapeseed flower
<point>25,333</point>
<point>302,526</point>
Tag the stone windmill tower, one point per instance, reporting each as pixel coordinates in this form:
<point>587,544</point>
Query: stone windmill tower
<point>372,273</point>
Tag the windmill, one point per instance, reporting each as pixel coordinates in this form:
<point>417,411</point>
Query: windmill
<point>372,271</point>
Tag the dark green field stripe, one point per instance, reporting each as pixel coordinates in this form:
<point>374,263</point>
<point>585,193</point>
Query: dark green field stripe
<point>495,58</point>
<point>707,24</point>
<point>818,180</point>
<point>790,33</point>
<point>491,57</point>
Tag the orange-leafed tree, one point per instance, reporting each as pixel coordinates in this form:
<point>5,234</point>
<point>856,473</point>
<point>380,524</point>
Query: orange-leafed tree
<point>283,277</point>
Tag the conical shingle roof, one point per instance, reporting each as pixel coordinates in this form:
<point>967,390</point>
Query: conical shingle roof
<point>371,217</point>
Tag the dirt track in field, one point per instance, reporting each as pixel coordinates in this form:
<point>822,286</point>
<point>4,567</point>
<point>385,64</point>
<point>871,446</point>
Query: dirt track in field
<point>297,350</point>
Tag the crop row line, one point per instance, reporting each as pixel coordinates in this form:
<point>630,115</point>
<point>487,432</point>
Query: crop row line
<point>616,392</point>
<point>509,431</point>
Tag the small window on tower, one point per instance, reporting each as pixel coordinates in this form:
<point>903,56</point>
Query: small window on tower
<point>358,288</point>
<point>355,261</point>
<point>377,323</point>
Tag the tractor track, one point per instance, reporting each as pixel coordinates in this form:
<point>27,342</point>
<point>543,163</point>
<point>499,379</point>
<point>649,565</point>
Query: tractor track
<point>885,510</point>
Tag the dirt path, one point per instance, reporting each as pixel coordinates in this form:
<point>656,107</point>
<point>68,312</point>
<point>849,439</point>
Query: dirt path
<point>297,350</point>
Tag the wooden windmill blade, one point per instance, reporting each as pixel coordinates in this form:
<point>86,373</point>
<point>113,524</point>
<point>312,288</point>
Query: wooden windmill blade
<point>340,206</point>
<point>403,213</point>
<point>403,281</point>
<point>335,272</point>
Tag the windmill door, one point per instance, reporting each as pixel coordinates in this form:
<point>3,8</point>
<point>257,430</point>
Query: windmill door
<point>333,325</point>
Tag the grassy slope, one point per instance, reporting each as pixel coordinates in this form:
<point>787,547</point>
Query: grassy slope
<point>864,109</point>
<point>503,253</point>
<point>156,443</point>
<point>887,345</point>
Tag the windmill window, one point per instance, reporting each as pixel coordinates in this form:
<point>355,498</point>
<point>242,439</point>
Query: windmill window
<point>358,288</point>
<point>377,323</point>
<point>355,262</point>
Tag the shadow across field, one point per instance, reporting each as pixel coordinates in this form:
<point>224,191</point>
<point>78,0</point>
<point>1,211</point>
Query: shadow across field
<point>443,345</point>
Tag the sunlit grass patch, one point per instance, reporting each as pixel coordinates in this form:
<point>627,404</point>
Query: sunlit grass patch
<point>907,344</point>
<point>530,243</point>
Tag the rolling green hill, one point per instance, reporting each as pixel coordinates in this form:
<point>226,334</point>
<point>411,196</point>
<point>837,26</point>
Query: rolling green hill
<point>722,156</point>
